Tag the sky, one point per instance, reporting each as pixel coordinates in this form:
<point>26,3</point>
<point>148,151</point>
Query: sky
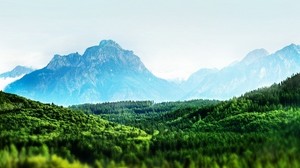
<point>173,38</point>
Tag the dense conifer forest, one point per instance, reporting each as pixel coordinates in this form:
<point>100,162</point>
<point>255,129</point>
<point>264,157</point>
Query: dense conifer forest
<point>258,129</point>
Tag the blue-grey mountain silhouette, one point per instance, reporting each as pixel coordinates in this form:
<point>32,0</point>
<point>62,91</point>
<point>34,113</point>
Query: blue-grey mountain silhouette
<point>105,72</point>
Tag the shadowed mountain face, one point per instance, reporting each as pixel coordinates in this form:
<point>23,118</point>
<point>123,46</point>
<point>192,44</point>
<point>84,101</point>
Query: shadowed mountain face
<point>256,70</point>
<point>105,72</point>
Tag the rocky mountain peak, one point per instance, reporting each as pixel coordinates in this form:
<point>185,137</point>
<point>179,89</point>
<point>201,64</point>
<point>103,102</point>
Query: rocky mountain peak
<point>59,61</point>
<point>289,53</point>
<point>255,55</point>
<point>109,43</point>
<point>106,49</point>
<point>290,49</point>
<point>105,72</point>
<point>17,71</point>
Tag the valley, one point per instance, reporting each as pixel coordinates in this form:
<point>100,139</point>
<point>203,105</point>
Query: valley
<point>258,129</point>
<point>149,84</point>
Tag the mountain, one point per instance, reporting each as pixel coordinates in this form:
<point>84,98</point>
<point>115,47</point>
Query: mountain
<point>13,75</point>
<point>105,72</point>
<point>257,69</point>
<point>16,72</point>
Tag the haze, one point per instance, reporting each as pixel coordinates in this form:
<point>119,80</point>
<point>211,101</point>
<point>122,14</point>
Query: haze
<point>172,37</point>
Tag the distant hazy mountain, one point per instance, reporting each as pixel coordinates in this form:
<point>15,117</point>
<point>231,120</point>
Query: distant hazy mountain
<point>16,72</point>
<point>105,72</point>
<point>13,75</point>
<point>257,69</point>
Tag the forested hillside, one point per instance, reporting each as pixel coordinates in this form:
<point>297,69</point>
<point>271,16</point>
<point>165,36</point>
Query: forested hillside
<point>33,133</point>
<point>259,129</point>
<point>146,115</point>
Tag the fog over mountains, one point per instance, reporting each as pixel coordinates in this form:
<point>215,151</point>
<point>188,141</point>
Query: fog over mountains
<point>107,72</point>
<point>13,75</point>
<point>257,69</point>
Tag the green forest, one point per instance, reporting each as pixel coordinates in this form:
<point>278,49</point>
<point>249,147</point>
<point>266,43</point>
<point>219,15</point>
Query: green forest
<point>258,129</point>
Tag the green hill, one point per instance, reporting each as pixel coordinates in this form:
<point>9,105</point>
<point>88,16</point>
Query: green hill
<point>31,126</point>
<point>259,129</point>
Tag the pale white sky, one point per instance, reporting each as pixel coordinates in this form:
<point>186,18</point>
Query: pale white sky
<point>172,37</point>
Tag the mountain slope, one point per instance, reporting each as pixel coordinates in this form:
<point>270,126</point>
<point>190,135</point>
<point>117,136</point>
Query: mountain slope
<point>256,70</point>
<point>103,73</point>
<point>13,75</point>
<point>71,134</point>
<point>281,96</point>
<point>258,129</point>
<point>16,72</point>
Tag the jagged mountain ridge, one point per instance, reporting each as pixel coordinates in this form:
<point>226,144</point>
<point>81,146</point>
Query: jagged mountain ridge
<point>257,69</point>
<point>105,72</point>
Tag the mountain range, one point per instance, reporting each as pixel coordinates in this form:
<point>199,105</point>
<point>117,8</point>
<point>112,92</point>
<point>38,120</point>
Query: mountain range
<point>257,69</point>
<point>107,72</point>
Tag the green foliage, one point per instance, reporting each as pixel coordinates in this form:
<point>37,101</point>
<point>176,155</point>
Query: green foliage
<point>11,158</point>
<point>258,129</point>
<point>69,134</point>
<point>146,115</point>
